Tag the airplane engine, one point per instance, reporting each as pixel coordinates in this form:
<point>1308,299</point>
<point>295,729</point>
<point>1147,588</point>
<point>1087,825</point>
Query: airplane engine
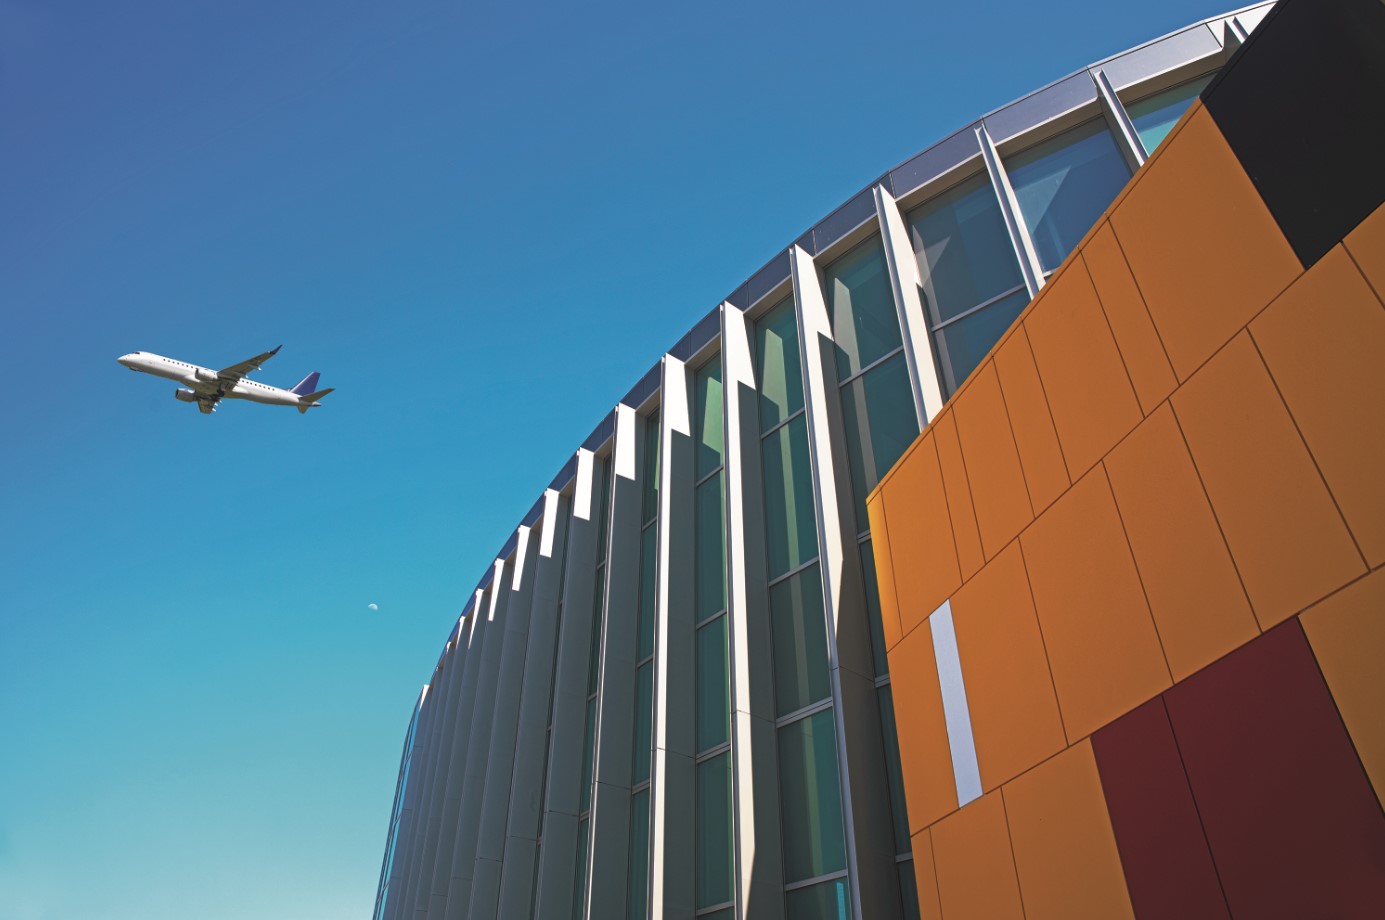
<point>185,395</point>
<point>204,374</point>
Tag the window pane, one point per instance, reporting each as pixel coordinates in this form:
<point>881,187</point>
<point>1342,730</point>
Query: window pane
<point>877,628</point>
<point>964,252</point>
<point>860,304</point>
<point>827,901</point>
<point>908,889</point>
<point>800,642</point>
<point>713,689</point>
<point>714,862</point>
<point>790,525</point>
<point>902,843</point>
<point>811,815</point>
<point>594,652</point>
<point>648,556</point>
<point>710,552</point>
<point>588,749</point>
<point>962,345</point>
<point>728,913</point>
<point>639,855</point>
<point>602,507</point>
<point>880,421</point>
<point>1154,116</point>
<point>776,357</point>
<point>579,886</point>
<point>708,419</point>
<point>1064,184</point>
<point>644,698</point>
<point>649,501</point>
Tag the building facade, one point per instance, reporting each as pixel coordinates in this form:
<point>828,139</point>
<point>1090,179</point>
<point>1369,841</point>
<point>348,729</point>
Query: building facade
<point>684,686</point>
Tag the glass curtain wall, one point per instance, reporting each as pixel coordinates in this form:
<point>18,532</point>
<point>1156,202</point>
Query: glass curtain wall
<point>715,854</point>
<point>1154,116</point>
<point>644,673</point>
<point>814,847</point>
<point>878,412</point>
<point>401,787</point>
<point>602,501</point>
<point>972,286</point>
<point>552,665</point>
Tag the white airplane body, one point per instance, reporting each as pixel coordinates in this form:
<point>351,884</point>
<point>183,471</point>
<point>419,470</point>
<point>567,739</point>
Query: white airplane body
<point>207,387</point>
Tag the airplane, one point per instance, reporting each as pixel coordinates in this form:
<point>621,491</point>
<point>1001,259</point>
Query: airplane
<point>207,387</point>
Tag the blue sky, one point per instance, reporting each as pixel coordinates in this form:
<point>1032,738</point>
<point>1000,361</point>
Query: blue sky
<point>482,222</point>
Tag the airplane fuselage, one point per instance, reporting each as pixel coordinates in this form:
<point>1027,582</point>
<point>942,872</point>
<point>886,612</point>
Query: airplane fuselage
<point>203,380</point>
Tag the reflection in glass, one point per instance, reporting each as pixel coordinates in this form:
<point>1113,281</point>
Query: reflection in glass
<point>649,496</point>
<point>709,555</point>
<point>1063,185</point>
<point>713,689</point>
<point>776,357</point>
<point>964,252</point>
<point>880,421</point>
<point>1154,116</point>
<point>714,822</point>
<point>810,798</point>
<point>800,641</point>
<point>963,344</point>
<point>860,305</point>
<point>644,700</point>
<point>825,901</point>
<point>648,556</point>
<point>877,628</point>
<point>707,420</point>
<point>790,522</point>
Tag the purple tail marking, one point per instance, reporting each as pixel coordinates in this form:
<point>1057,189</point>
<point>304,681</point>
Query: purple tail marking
<point>306,385</point>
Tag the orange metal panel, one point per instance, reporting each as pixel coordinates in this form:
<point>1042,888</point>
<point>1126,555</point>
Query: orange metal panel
<point>1193,589</point>
<point>925,758</point>
<point>924,554</point>
<point>926,877</point>
<point>1102,646</point>
<point>1347,633</point>
<point>1136,337</point>
<point>1324,342</point>
<point>1285,534</point>
<point>884,569</point>
<point>976,874</point>
<point>1367,246</point>
<point>1014,714</point>
<point>993,463</point>
<point>1088,389</point>
<point>968,538</point>
<point>1065,850</point>
<point>1045,473</point>
<point>1204,249</point>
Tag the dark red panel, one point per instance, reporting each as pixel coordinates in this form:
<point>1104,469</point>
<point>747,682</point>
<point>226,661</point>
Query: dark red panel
<point>1294,827</point>
<point>1167,866</point>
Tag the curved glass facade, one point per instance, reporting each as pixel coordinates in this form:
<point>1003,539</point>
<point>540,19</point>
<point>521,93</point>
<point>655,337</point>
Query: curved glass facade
<point>714,728</point>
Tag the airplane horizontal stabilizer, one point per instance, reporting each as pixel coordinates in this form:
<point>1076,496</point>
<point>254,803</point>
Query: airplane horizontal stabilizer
<point>307,402</point>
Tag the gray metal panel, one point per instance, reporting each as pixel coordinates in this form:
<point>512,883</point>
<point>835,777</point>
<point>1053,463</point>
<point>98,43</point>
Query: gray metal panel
<point>565,475</point>
<point>1037,108</point>
<point>774,273</point>
<point>601,433</point>
<point>1175,51</point>
<point>646,388</point>
<point>942,157</point>
<point>845,219</point>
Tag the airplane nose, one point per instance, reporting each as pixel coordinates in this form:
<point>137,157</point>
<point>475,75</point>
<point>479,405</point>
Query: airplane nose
<point>126,360</point>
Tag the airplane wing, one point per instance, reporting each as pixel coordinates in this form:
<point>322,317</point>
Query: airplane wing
<point>235,372</point>
<point>207,404</point>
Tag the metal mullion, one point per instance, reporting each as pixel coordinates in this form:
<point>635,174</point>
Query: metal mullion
<point>781,424</point>
<point>708,619</point>
<point>870,367</point>
<point>801,567</point>
<point>798,715</point>
<point>1020,240</point>
<point>903,858</point>
<point>709,476</point>
<point>981,306</point>
<point>704,911</point>
<point>714,751</point>
<point>817,879</point>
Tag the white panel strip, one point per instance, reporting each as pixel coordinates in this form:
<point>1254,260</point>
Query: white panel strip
<point>550,523</point>
<point>582,488</point>
<point>906,281</point>
<point>955,712</point>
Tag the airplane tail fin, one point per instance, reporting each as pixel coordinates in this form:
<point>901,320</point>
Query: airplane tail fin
<point>308,400</point>
<point>305,386</point>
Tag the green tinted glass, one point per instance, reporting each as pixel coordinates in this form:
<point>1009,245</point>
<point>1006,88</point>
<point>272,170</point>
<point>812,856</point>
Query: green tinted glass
<point>827,901</point>
<point>594,651</point>
<point>790,525</point>
<point>644,699</point>
<point>908,889</point>
<point>601,505</point>
<point>877,630</point>
<point>902,843</point>
<point>1154,116</point>
<point>1064,184</point>
<point>579,881</point>
<point>714,851</point>
<point>811,812</point>
<point>800,641</point>
<point>648,556</point>
<point>880,421</point>
<point>649,476</point>
<point>588,750</point>
<point>962,345</point>
<point>776,357</point>
<point>860,305</point>
<point>709,557</point>
<point>963,249</point>
<point>713,690</point>
<point>707,419</point>
<point>639,855</point>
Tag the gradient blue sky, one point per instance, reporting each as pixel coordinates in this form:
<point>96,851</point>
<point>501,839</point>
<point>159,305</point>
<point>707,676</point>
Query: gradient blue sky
<point>482,222</point>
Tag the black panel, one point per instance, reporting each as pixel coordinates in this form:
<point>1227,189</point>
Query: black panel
<point>1302,104</point>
